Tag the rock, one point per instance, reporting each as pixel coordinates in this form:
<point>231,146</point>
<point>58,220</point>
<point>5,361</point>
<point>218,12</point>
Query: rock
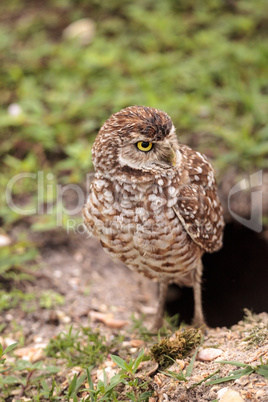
<point>14,110</point>
<point>178,366</point>
<point>8,341</point>
<point>83,30</point>
<point>229,395</point>
<point>31,354</point>
<point>109,371</point>
<point>209,354</point>
<point>244,380</point>
<point>136,343</point>
<point>107,320</point>
<point>259,393</point>
<point>4,240</point>
<point>147,368</point>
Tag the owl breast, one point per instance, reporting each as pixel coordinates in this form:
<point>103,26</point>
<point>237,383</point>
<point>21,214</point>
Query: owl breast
<point>137,225</point>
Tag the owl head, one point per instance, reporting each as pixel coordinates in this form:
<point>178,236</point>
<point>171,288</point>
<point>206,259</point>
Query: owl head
<point>137,142</point>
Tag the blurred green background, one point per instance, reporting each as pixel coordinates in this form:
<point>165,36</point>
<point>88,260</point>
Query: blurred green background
<point>203,62</point>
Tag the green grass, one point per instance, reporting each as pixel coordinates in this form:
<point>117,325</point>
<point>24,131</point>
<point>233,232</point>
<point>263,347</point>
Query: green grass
<point>205,63</point>
<point>82,348</point>
<point>15,259</point>
<point>22,374</point>
<point>246,369</point>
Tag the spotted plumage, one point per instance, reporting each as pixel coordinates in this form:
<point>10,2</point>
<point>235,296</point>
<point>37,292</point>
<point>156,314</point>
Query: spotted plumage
<point>153,201</point>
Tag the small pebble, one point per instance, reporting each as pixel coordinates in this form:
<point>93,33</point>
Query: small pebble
<point>109,371</point>
<point>259,393</point>
<point>181,363</point>
<point>14,110</point>
<point>9,317</point>
<point>178,366</point>
<point>107,320</point>
<point>9,341</point>
<point>209,354</point>
<point>242,380</point>
<point>229,395</point>
<point>136,343</point>
<point>83,30</point>
<point>147,368</point>
<point>32,354</point>
<point>4,240</point>
<point>62,317</point>
<point>78,257</point>
<point>38,339</point>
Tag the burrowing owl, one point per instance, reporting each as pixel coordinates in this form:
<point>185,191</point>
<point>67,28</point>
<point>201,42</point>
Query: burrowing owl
<point>153,201</point>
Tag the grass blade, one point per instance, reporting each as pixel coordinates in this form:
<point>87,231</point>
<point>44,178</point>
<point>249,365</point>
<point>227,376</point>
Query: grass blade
<point>191,364</point>
<point>234,375</point>
<point>72,386</point>
<point>176,376</point>
<point>204,379</point>
<point>262,369</point>
<point>233,363</point>
<point>80,381</point>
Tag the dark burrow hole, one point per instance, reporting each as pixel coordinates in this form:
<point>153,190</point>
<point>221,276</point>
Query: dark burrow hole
<point>234,278</point>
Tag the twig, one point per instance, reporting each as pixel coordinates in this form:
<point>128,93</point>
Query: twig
<point>30,373</point>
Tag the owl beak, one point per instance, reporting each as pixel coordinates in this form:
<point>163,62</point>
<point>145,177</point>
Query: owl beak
<point>171,157</point>
<point>174,157</point>
<point>168,157</point>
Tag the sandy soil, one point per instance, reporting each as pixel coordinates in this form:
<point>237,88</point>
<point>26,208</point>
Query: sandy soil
<point>91,283</point>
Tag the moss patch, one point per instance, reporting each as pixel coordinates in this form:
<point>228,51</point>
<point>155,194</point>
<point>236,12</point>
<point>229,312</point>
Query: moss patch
<point>175,348</point>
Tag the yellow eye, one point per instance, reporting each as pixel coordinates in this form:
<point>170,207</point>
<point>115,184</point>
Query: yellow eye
<point>144,146</point>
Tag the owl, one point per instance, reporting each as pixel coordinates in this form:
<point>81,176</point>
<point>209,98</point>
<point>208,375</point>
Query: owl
<point>153,202</point>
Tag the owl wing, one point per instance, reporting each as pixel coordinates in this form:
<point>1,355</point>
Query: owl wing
<point>198,206</point>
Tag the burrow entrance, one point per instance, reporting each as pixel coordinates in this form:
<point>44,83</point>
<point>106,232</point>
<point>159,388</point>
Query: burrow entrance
<point>234,278</point>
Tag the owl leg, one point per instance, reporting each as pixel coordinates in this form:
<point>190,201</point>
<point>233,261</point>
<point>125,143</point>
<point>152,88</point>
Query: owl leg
<point>198,320</point>
<point>158,321</point>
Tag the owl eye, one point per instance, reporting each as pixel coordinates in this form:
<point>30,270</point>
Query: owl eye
<point>144,146</point>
